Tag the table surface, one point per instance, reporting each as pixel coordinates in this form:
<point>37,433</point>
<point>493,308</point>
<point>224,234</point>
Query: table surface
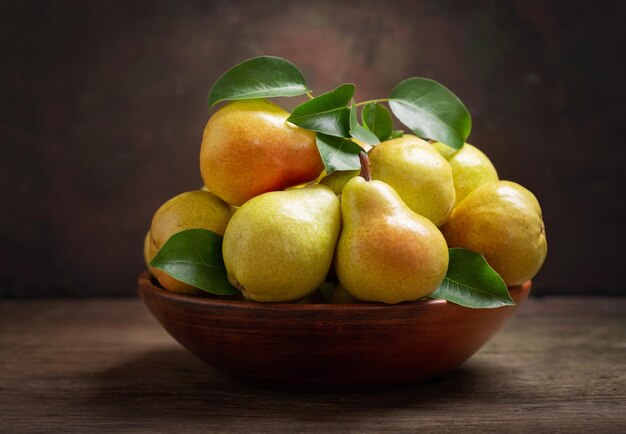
<point>107,365</point>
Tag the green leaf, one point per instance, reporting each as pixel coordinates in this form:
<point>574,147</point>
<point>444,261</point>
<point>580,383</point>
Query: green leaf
<point>327,113</point>
<point>338,153</point>
<point>358,131</point>
<point>260,77</point>
<point>396,134</point>
<point>471,282</point>
<point>431,111</point>
<point>377,119</point>
<point>194,257</point>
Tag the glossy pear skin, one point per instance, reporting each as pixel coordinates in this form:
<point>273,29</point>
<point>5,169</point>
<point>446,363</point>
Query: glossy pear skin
<point>191,210</point>
<point>279,246</point>
<point>502,221</point>
<point>471,168</point>
<point>248,149</point>
<point>386,252</point>
<point>419,174</point>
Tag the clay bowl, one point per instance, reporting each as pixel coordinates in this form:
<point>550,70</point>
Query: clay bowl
<point>313,346</point>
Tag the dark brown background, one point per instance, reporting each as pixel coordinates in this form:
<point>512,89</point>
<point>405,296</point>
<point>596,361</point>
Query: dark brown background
<point>103,105</point>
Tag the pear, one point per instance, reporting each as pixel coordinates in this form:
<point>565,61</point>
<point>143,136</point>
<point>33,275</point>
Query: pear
<point>279,246</point>
<point>191,210</point>
<point>387,252</point>
<point>470,168</point>
<point>341,296</point>
<point>147,249</point>
<point>249,148</point>
<point>502,221</point>
<point>337,180</point>
<point>418,173</point>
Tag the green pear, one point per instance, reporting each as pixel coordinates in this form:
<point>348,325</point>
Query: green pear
<point>419,174</point>
<point>341,296</point>
<point>249,148</point>
<point>337,180</point>
<point>191,210</point>
<point>387,252</point>
<point>470,168</point>
<point>279,246</point>
<point>502,221</point>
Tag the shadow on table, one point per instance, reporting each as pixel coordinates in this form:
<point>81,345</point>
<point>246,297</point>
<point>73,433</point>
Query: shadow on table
<point>172,383</point>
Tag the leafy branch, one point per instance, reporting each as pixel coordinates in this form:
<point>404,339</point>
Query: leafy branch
<point>427,108</point>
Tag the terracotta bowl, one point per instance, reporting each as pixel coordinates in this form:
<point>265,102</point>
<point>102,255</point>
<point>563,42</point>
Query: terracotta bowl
<point>312,346</point>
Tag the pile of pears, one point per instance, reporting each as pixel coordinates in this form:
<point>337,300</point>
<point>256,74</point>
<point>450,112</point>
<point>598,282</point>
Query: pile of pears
<point>381,234</point>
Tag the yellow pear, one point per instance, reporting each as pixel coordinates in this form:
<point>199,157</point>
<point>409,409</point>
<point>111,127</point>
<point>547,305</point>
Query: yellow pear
<point>279,246</point>
<point>418,173</point>
<point>147,249</point>
<point>337,180</point>
<point>248,148</point>
<point>387,252</point>
<point>470,168</point>
<point>502,221</point>
<point>191,210</point>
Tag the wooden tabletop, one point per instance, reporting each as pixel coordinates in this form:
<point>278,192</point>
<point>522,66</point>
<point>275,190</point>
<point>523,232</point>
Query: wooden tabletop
<point>107,365</point>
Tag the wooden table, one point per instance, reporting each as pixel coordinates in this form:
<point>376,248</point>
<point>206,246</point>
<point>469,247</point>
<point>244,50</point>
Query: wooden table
<point>106,365</point>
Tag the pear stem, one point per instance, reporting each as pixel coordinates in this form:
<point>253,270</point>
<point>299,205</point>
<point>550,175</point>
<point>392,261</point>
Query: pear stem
<point>365,166</point>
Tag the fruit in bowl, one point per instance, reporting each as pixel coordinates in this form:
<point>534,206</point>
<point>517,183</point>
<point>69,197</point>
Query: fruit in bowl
<point>279,245</point>
<point>419,174</point>
<point>317,236</point>
<point>387,252</point>
<point>502,220</point>
<point>248,149</point>
<point>192,209</point>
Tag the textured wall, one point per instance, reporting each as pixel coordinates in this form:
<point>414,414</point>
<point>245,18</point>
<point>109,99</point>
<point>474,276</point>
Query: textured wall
<point>103,105</point>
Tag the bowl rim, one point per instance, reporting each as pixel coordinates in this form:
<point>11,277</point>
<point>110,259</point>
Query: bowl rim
<point>146,283</point>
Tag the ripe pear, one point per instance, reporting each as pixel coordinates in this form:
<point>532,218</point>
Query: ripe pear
<point>418,173</point>
<point>191,210</point>
<point>337,180</point>
<point>279,246</point>
<point>502,221</point>
<point>147,249</point>
<point>249,148</point>
<point>470,168</point>
<point>387,252</point>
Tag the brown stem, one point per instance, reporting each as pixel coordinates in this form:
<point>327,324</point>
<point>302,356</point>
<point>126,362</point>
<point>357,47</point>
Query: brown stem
<point>365,166</point>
